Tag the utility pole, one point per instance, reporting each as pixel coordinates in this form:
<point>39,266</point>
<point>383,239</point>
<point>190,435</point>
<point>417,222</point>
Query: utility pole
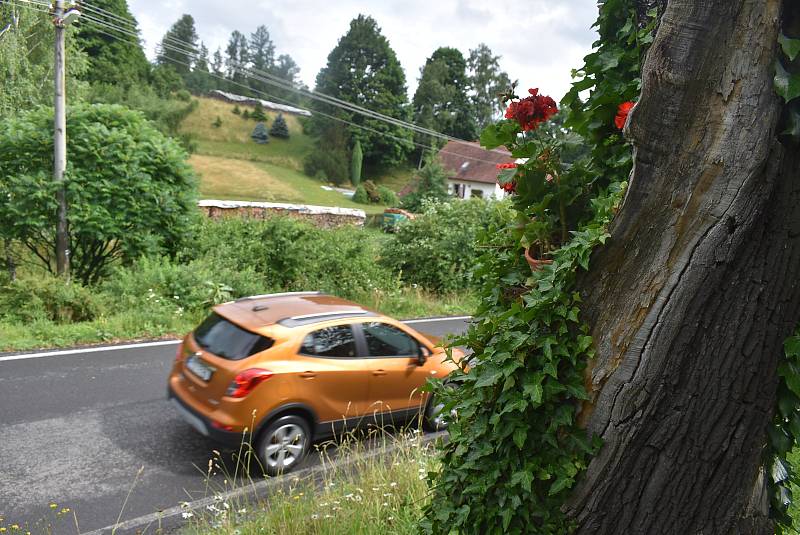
<point>60,146</point>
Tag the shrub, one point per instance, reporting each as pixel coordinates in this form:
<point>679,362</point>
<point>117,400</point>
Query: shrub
<point>183,95</point>
<point>217,123</point>
<point>438,249</point>
<point>332,162</point>
<point>129,189</point>
<point>431,186</point>
<point>258,113</point>
<point>48,298</point>
<point>259,134</point>
<point>246,114</point>
<point>360,196</point>
<point>279,128</point>
<point>372,191</point>
<point>236,110</point>
<point>163,285</point>
<point>286,254</point>
<point>387,196</point>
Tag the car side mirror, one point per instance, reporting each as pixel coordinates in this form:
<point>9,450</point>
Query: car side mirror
<point>423,355</point>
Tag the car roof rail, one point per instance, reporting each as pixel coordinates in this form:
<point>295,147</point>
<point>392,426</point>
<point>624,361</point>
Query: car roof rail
<point>307,319</point>
<point>281,294</point>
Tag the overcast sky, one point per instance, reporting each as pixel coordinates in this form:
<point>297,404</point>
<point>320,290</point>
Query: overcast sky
<point>540,41</point>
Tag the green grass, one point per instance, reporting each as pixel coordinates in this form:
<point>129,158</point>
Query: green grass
<point>246,180</point>
<point>232,166</point>
<point>135,325</point>
<point>379,492</point>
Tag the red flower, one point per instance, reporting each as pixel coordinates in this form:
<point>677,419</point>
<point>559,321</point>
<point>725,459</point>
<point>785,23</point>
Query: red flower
<point>506,165</point>
<point>531,111</point>
<point>622,114</point>
<point>509,187</point>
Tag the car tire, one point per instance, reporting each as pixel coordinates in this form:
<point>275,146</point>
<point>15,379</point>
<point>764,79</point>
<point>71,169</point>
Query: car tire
<point>283,444</point>
<point>433,420</point>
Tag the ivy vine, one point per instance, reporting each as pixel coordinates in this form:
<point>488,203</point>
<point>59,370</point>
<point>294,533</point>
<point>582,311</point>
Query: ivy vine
<point>516,449</point>
<point>781,465</point>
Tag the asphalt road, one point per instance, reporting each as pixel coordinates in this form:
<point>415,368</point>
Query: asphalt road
<point>76,429</point>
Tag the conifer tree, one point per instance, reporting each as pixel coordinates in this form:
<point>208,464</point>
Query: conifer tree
<point>259,134</point>
<point>279,128</point>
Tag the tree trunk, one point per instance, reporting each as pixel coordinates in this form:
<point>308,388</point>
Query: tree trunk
<point>691,299</point>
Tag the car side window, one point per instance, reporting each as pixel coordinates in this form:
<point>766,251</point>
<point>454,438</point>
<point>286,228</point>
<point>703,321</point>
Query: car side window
<point>387,341</point>
<point>337,341</point>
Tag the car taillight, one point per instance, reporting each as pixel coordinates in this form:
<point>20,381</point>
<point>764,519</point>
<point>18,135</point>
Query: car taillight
<point>246,381</point>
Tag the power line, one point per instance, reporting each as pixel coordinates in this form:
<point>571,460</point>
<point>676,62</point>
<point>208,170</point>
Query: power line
<point>248,74</point>
<point>281,83</point>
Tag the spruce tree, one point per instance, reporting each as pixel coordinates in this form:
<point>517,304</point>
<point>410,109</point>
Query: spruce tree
<point>111,60</point>
<point>364,69</point>
<point>279,128</point>
<point>259,134</point>
<point>258,113</point>
<point>180,58</point>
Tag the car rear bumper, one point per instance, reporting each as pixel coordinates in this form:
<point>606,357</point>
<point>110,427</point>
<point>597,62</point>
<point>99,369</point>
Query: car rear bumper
<point>202,424</point>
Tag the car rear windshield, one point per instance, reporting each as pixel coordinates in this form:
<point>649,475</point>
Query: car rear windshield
<point>224,339</point>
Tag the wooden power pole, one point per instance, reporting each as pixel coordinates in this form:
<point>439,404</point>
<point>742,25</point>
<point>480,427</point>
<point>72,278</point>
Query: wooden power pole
<point>60,145</point>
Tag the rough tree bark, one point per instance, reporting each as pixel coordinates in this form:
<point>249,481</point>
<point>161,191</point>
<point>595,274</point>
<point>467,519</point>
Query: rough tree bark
<point>691,299</point>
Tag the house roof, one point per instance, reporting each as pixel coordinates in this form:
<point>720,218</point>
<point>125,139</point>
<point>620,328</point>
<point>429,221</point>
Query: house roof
<point>469,162</point>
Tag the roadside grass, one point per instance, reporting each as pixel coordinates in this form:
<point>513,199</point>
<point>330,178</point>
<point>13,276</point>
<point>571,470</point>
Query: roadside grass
<point>132,325</point>
<point>380,490</point>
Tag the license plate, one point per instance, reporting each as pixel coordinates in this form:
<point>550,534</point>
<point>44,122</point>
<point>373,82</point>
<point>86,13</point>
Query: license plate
<point>199,368</point>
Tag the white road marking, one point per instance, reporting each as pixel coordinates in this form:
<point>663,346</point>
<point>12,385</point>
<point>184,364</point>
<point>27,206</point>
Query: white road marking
<point>97,349</point>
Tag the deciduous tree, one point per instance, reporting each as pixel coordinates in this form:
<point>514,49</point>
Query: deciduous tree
<point>487,81</point>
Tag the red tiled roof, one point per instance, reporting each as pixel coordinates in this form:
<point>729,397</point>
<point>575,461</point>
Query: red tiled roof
<point>472,163</point>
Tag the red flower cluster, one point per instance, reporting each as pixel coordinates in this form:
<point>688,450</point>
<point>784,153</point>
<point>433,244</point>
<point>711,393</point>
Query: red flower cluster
<point>506,166</point>
<point>531,111</point>
<point>622,114</point>
<point>509,187</point>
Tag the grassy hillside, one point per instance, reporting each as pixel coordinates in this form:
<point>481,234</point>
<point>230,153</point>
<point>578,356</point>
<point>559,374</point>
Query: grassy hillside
<point>232,166</point>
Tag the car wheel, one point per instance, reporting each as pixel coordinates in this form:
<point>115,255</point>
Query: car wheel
<point>283,445</point>
<point>435,419</point>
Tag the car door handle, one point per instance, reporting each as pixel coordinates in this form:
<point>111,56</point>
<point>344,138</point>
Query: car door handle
<point>379,372</point>
<point>308,375</point>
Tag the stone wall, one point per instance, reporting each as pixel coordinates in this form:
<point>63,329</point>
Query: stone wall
<point>322,216</point>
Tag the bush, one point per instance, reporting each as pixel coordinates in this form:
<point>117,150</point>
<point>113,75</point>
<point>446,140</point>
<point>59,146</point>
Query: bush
<point>360,196</point>
<point>333,163</point>
<point>246,114</point>
<point>259,134</point>
<point>286,254</point>
<point>387,196</point>
<point>183,95</point>
<point>236,110</point>
<point>129,189</point>
<point>48,298</point>
<point>431,186</point>
<point>279,128</point>
<point>258,113</point>
<point>438,249</point>
<point>217,123</point>
<point>372,192</point>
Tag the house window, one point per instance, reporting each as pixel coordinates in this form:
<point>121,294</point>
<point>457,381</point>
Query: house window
<point>477,193</point>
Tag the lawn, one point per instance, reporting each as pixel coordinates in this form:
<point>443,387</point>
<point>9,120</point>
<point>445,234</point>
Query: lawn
<point>245,180</point>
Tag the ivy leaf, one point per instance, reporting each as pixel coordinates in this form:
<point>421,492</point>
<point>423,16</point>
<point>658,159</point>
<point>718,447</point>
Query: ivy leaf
<point>560,484</point>
<point>488,378</point>
<point>520,434</point>
<point>522,478</point>
<point>791,47</point>
<point>787,85</point>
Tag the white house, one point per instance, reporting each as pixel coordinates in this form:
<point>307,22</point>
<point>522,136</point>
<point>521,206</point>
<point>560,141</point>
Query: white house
<point>472,170</point>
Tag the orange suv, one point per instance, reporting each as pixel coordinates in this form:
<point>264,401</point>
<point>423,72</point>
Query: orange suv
<point>299,366</point>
